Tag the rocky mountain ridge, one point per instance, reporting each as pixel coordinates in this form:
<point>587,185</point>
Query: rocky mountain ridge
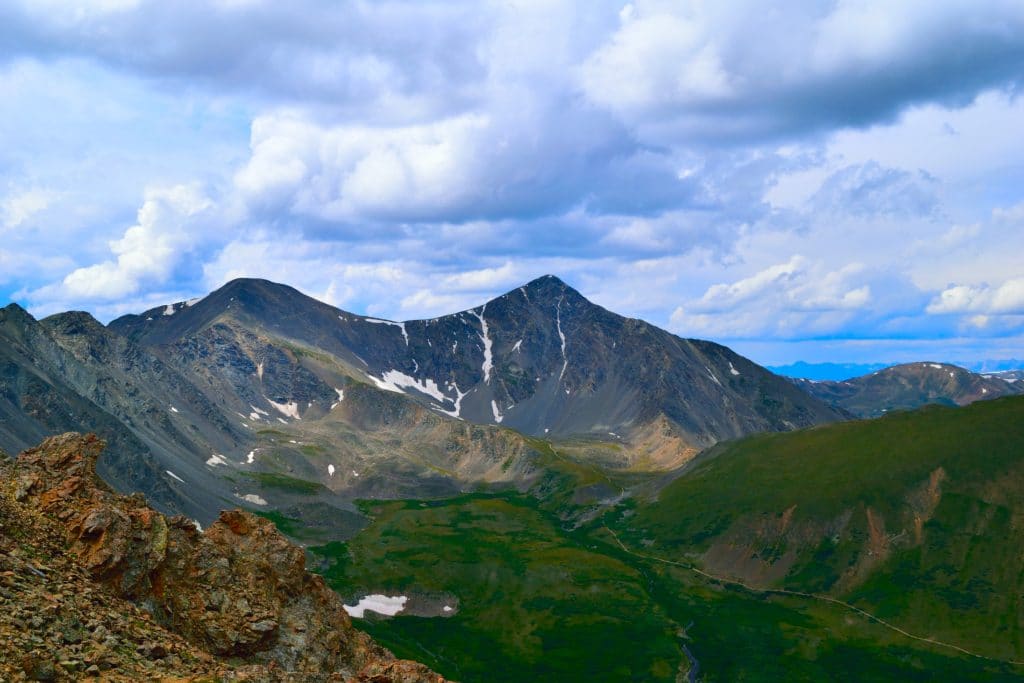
<point>233,602</point>
<point>909,386</point>
<point>261,396</point>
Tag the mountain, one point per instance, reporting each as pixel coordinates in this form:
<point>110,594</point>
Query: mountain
<point>1011,376</point>
<point>99,584</point>
<point>826,371</point>
<point>911,385</point>
<point>540,359</point>
<point>259,395</point>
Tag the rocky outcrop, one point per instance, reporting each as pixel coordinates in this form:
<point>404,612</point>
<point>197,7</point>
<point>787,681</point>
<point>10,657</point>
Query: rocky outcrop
<point>239,590</point>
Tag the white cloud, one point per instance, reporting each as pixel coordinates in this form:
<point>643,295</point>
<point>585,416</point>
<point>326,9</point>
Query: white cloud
<point>785,299</point>
<point>712,70</point>
<point>19,207</point>
<point>1007,297</point>
<point>165,232</point>
<point>406,159</point>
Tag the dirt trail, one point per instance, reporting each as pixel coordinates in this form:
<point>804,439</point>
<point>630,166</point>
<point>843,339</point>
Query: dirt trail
<point>727,582</point>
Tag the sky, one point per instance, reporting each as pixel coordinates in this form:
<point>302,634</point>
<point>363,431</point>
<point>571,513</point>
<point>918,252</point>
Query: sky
<point>821,181</point>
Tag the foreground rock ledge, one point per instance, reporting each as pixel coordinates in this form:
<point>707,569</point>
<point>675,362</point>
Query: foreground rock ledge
<point>238,592</point>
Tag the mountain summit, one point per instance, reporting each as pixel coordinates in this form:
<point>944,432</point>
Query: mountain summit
<point>540,358</point>
<point>260,395</point>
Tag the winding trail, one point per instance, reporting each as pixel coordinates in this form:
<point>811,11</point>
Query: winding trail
<point>726,582</point>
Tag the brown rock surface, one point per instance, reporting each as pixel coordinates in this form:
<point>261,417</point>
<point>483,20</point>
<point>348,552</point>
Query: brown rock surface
<point>171,600</point>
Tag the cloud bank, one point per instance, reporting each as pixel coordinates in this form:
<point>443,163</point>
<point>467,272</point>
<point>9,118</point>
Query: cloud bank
<point>772,177</point>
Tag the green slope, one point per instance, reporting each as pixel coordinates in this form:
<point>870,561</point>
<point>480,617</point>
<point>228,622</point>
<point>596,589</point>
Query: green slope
<point>538,598</point>
<point>916,517</point>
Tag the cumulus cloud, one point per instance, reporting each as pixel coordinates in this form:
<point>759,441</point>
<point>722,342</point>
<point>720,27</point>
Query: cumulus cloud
<point>742,70</point>
<point>1007,297</point>
<point>169,225</point>
<point>405,159</point>
<point>783,300</point>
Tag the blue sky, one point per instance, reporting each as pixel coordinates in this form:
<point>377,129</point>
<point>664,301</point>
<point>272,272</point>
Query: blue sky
<point>807,180</point>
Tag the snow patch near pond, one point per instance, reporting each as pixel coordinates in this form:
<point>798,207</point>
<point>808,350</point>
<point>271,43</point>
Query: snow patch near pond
<point>252,498</point>
<point>381,604</point>
<point>174,476</point>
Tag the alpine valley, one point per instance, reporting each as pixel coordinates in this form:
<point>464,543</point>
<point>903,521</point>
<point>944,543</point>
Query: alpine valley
<point>559,492</point>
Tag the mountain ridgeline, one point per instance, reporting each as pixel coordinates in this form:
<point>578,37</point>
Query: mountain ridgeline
<point>909,386</point>
<point>259,395</point>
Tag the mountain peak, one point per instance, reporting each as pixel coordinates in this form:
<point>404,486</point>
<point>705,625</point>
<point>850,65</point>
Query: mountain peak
<point>13,311</point>
<point>548,288</point>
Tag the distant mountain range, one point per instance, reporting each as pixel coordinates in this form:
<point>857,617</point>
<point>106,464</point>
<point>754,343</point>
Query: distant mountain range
<point>912,385</point>
<point>841,371</point>
<point>259,395</point>
<point>826,371</point>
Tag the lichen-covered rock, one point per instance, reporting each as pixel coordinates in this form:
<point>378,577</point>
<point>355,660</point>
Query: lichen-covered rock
<point>239,589</point>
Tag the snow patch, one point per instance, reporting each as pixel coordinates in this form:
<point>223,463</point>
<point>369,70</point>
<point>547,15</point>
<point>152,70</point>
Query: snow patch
<point>282,420</point>
<point>330,470</point>
<point>173,409</point>
<point>734,371</point>
<point>401,326</point>
<point>457,410</point>
<point>216,459</point>
<point>386,386</point>
<point>381,604</point>
<point>712,375</point>
<point>354,473</point>
<point>199,527</point>
<point>517,347</point>
<point>258,411</point>
<point>252,498</point>
<point>498,417</point>
<point>192,302</point>
<point>488,363</point>
<point>259,370</point>
<point>393,380</point>
<point>290,409</point>
<point>447,608</point>
<point>250,457</point>
<point>935,365</point>
<point>169,310</point>
<point>561,335</point>
<point>174,476</point>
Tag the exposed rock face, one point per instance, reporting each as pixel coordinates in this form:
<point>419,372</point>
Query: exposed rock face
<point>239,589</point>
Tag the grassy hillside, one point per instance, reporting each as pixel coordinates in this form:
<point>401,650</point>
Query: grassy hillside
<point>915,518</point>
